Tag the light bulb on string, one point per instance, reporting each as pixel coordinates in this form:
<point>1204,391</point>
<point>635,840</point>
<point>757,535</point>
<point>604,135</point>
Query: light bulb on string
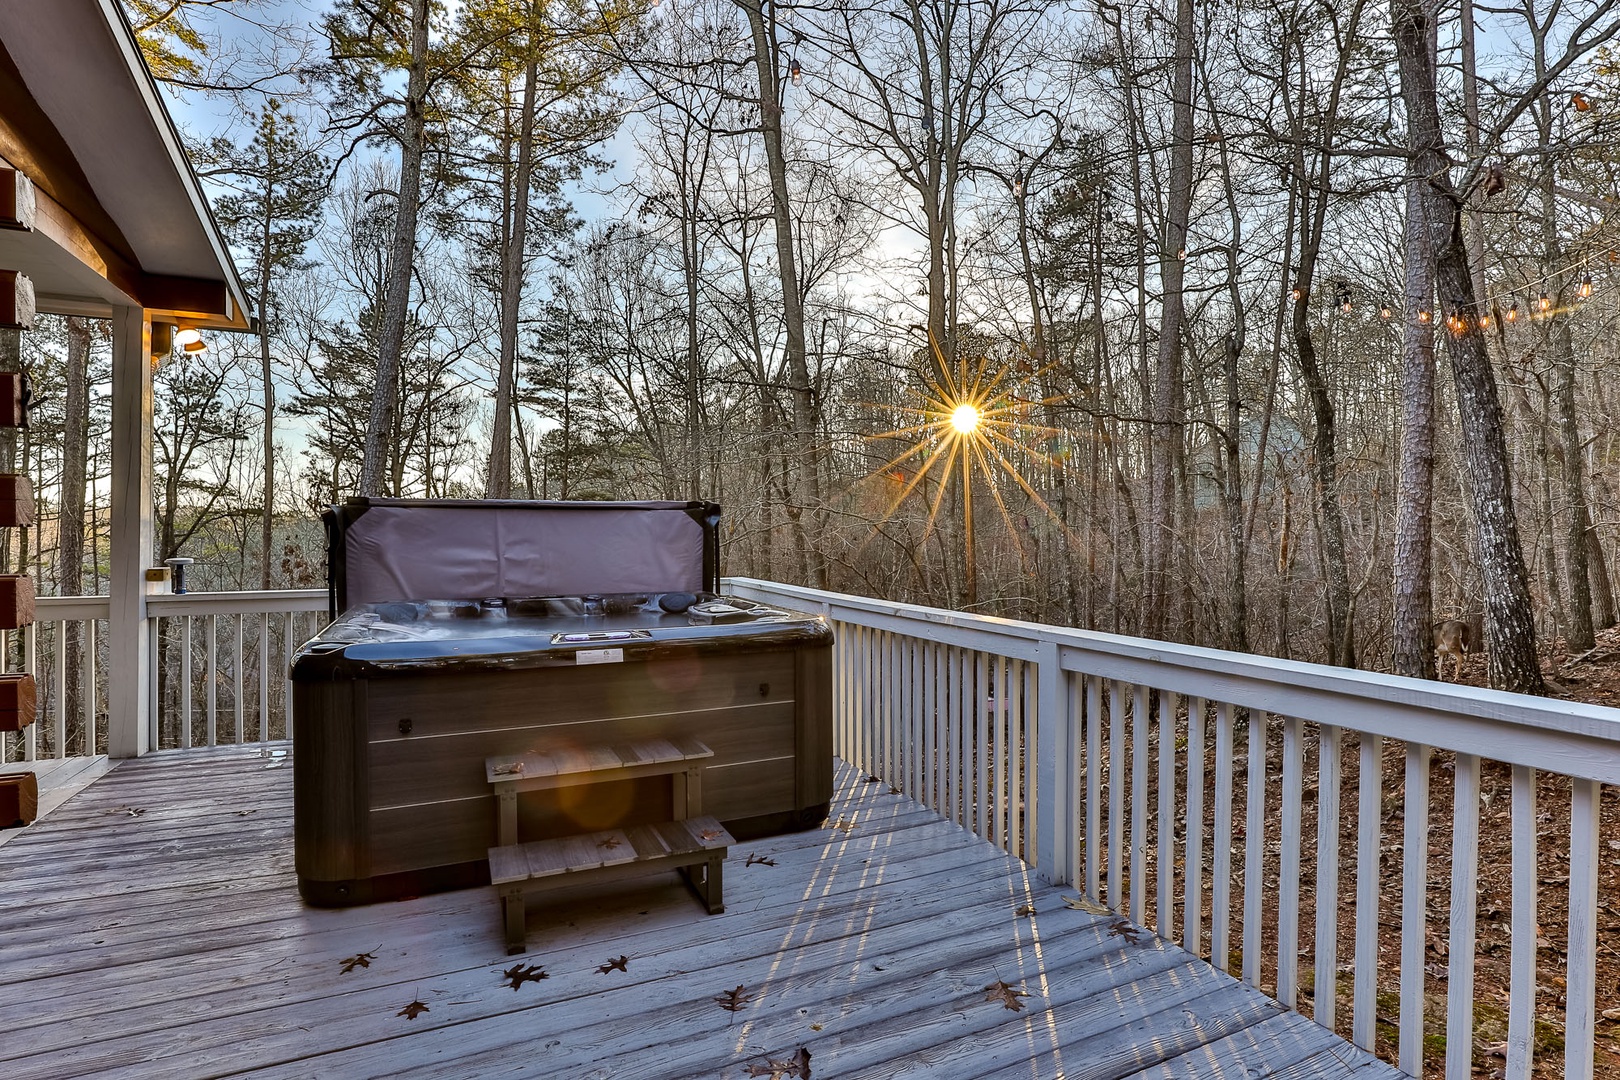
<point>1484,322</point>
<point>1456,323</point>
<point>1018,185</point>
<point>1384,311</point>
<point>1512,315</point>
<point>1544,303</point>
<point>1296,292</point>
<point>795,72</point>
<point>1425,315</point>
<point>1585,290</point>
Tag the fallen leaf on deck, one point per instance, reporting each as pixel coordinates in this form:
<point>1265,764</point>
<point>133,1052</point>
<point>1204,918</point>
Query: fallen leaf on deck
<point>508,768</point>
<point>873,780</point>
<point>614,965</point>
<point>610,843</point>
<point>1025,911</point>
<point>1123,929</point>
<point>358,960</point>
<point>843,824</point>
<point>783,1068</point>
<point>1081,903</point>
<point>711,834</point>
<point>760,860</point>
<point>734,1000</point>
<point>413,1010</point>
<point>1007,995</point>
<point>517,976</point>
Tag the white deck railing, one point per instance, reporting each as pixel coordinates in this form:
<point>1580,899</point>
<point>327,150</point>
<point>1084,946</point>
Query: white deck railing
<point>1119,765</point>
<point>220,663</point>
<point>219,669</point>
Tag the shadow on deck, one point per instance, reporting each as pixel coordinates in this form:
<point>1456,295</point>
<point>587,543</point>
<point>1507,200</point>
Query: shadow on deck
<point>152,927</point>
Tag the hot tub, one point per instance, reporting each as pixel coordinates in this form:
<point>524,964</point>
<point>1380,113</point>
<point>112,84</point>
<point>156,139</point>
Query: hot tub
<point>397,704</point>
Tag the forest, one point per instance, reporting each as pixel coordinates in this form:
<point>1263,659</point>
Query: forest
<point>1280,326</point>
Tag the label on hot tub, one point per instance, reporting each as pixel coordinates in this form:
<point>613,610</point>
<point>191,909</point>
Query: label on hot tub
<point>599,656</point>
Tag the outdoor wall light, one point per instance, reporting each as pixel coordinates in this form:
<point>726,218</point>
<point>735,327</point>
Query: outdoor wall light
<point>190,339</point>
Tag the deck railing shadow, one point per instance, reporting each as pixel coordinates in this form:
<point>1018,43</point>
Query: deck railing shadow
<point>1253,811</point>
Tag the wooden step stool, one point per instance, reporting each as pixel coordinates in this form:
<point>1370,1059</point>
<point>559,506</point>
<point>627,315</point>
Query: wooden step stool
<point>691,842</point>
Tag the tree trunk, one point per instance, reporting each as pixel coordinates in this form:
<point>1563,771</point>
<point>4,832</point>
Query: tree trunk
<point>805,476</point>
<point>402,259</point>
<point>1414,490</point>
<point>498,484</point>
<point>1510,631</point>
<point>70,525</point>
<point>1166,418</point>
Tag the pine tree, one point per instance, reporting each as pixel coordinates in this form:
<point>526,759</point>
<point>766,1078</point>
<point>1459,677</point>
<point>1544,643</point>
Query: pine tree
<point>280,184</point>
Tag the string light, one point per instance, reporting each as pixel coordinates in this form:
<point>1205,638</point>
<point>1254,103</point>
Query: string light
<point>1018,184</point>
<point>1539,300</point>
<point>795,72</point>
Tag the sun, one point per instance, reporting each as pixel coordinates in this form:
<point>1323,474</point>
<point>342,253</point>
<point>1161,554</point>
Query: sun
<point>965,418</point>
<point>980,419</point>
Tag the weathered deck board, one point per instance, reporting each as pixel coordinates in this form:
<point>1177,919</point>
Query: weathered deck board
<point>59,780</point>
<point>173,943</point>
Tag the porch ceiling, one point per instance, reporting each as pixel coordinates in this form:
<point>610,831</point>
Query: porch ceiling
<point>121,216</point>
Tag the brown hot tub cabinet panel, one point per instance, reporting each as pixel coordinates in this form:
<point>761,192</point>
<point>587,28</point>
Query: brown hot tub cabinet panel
<point>392,730</point>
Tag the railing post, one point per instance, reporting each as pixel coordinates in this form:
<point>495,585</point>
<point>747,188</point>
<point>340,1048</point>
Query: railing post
<point>1050,803</point>
<point>129,679</point>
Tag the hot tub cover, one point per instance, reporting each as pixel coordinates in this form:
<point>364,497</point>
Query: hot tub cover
<point>380,550</point>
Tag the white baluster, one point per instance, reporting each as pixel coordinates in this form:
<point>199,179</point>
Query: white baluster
<point>1581,990</point>
<point>1329,777</point>
<point>1414,907</point>
<point>1369,840</point>
<point>1220,901</point>
<point>1288,863</point>
<point>1522,931</point>
<point>1464,899</point>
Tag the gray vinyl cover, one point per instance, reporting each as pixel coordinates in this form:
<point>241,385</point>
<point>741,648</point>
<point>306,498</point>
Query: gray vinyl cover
<point>418,550</point>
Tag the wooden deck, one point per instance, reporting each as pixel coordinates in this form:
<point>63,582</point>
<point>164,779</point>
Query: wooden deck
<point>151,926</point>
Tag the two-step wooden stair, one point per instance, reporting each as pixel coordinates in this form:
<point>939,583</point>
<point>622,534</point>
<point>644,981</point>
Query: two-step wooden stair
<point>690,842</point>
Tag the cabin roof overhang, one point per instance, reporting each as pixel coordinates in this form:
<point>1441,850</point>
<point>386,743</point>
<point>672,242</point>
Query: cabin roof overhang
<point>120,218</point>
